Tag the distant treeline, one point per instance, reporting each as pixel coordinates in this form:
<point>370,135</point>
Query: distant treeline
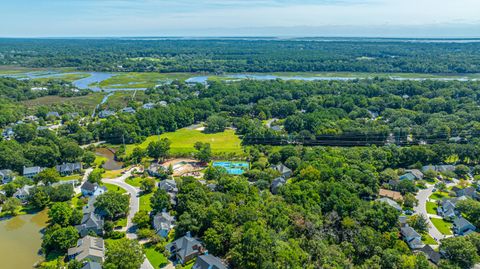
<point>217,56</point>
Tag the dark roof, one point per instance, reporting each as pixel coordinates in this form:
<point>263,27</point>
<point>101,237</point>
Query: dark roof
<point>169,185</point>
<point>163,221</point>
<point>208,262</point>
<point>282,169</point>
<point>461,223</point>
<point>88,186</point>
<point>431,254</point>
<point>184,246</point>
<point>277,183</point>
<point>409,232</point>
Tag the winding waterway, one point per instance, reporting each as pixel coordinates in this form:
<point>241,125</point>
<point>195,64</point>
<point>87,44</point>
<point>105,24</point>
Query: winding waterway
<point>21,239</point>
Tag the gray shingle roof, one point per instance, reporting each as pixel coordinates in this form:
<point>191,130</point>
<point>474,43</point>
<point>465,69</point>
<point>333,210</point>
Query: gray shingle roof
<point>88,246</point>
<point>208,262</point>
<point>184,246</point>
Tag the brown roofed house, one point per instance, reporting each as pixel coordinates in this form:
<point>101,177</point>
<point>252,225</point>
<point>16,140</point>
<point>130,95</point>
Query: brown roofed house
<point>394,195</point>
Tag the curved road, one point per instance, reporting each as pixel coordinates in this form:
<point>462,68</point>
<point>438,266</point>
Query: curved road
<point>421,208</point>
<point>134,207</point>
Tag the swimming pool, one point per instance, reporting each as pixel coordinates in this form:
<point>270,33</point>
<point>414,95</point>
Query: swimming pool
<point>233,168</point>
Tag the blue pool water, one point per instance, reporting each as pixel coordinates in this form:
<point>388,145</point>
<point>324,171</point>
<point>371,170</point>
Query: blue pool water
<point>233,168</point>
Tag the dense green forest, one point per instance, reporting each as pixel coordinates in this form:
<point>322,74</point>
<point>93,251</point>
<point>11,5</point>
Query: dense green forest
<point>243,55</point>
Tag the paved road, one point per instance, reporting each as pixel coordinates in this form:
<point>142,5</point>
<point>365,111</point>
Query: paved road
<point>134,200</point>
<point>421,208</point>
<point>134,207</point>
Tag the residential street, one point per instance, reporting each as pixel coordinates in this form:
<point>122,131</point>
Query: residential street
<point>421,209</point>
<point>134,200</point>
<point>134,207</point>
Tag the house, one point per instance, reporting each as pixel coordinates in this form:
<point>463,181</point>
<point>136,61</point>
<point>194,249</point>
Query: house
<point>407,176</point>
<point>438,168</point>
<point>163,103</point>
<point>6,176</point>
<point>129,110</point>
<point>53,114</point>
<point>447,207</point>
<point>72,182</point>
<point>31,172</point>
<point>66,169</point>
<point>148,106</point>
<point>462,226</point>
<point>88,248</point>
<point>284,171</point>
<point>391,203</point>
<point>105,114</point>
<point>170,186</point>
<point>92,265</point>
<point>23,193</point>
<point>91,221</point>
<point>156,170</point>
<point>394,195</point>
<point>412,174</point>
<point>8,134</point>
<point>411,237</point>
<point>163,223</point>
<point>403,220</point>
<point>208,262</point>
<point>92,189</point>
<point>431,254</point>
<point>35,89</point>
<point>185,249</point>
<point>470,192</point>
<point>276,184</point>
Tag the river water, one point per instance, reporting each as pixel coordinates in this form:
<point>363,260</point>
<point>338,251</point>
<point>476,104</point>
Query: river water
<point>96,78</point>
<point>21,239</point>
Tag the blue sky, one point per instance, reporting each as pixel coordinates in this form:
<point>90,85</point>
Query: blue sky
<point>389,18</point>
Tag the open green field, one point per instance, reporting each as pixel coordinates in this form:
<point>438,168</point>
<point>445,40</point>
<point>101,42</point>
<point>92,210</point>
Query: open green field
<point>183,141</point>
<point>443,226</point>
<point>142,80</point>
<point>89,101</point>
<point>66,77</point>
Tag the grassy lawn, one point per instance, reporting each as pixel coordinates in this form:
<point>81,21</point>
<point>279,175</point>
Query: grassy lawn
<point>72,177</point>
<point>428,240</point>
<point>121,222</point>
<point>443,226</point>
<point>112,173</point>
<point>438,195</point>
<point>431,208</point>
<point>184,139</point>
<point>157,259</point>
<point>145,202</point>
<point>114,188</point>
<point>99,160</point>
<point>135,182</point>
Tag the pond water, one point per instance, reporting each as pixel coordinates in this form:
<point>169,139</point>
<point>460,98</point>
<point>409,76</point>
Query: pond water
<point>21,239</point>
<point>111,163</point>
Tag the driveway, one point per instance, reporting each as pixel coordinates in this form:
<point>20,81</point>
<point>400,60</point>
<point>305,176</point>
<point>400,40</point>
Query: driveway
<point>421,208</point>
